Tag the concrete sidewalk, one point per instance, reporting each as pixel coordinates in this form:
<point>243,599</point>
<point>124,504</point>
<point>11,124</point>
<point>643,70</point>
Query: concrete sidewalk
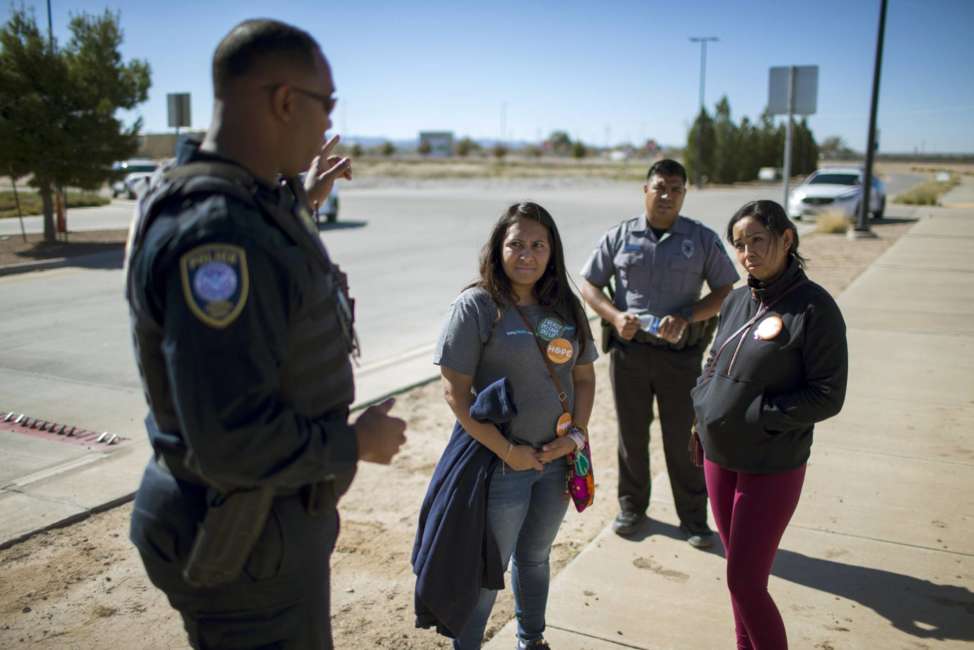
<point>880,553</point>
<point>961,196</point>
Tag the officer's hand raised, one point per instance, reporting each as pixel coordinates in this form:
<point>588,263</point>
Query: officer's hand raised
<point>379,435</point>
<point>325,170</point>
<point>626,325</point>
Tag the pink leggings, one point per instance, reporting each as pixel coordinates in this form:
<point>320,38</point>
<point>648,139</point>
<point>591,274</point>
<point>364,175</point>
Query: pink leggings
<point>752,511</point>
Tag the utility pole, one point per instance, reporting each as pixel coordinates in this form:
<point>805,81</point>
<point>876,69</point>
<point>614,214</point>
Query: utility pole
<point>862,225</point>
<point>789,130</point>
<point>503,121</point>
<point>703,40</point>
<point>50,30</point>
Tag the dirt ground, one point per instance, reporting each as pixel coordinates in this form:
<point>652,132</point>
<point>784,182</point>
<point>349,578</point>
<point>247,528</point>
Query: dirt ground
<point>14,250</point>
<point>82,586</point>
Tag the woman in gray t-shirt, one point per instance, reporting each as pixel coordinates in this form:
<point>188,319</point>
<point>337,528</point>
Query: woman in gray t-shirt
<point>485,338</point>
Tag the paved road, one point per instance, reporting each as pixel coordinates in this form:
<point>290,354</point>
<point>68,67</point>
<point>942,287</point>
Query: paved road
<point>120,211</point>
<point>64,342</point>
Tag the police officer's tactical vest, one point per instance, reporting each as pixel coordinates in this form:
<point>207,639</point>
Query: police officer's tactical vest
<point>316,375</point>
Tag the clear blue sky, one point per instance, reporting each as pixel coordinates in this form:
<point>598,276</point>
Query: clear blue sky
<point>618,71</point>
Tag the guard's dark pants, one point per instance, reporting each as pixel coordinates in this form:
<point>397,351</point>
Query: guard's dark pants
<point>640,371</point>
<point>279,602</point>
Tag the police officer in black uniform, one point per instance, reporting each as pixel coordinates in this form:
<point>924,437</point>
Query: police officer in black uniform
<point>243,329</point>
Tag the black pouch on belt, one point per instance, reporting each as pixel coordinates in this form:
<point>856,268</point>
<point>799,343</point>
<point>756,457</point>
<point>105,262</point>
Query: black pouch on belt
<point>226,537</point>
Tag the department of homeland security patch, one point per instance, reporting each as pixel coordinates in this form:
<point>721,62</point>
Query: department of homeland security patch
<point>215,282</point>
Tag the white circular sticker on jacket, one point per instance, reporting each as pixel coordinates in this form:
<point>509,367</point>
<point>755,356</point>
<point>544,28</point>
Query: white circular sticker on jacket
<point>769,328</point>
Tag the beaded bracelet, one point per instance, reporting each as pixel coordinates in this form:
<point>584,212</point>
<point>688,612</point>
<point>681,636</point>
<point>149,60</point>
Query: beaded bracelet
<point>578,437</point>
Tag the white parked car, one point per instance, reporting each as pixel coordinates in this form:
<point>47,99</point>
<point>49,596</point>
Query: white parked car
<point>329,209</point>
<point>835,189</point>
<point>132,177</point>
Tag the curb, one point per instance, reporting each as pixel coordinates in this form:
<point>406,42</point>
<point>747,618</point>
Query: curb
<point>69,520</point>
<point>125,498</point>
<point>361,406</point>
<point>27,267</point>
<point>58,262</point>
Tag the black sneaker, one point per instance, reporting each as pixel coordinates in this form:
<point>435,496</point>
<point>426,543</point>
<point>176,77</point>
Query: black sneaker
<point>537,644</point>
<point>699,539</point>
<point>627,522</point>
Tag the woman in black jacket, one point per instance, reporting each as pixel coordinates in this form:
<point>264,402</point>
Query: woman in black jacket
<point>777,366</point>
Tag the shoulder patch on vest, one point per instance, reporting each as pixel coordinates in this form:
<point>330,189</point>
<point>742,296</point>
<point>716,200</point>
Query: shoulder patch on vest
<point>215,282</point>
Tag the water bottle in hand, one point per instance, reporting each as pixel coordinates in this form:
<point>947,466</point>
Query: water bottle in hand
<point>650,323</point>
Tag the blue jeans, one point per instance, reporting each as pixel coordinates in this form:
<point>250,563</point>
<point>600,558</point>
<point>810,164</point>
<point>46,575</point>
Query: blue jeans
<point>524,511</point>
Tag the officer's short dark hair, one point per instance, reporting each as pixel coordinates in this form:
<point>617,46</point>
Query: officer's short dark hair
<point>667,167</point>
<point>253,42</point>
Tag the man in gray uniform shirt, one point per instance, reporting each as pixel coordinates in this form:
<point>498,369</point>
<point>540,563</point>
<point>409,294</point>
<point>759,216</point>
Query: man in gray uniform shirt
<point>658,327</point>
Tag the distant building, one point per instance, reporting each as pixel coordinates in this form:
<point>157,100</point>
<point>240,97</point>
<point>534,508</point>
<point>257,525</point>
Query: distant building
<point>158,146</point>
<point>436,143</point>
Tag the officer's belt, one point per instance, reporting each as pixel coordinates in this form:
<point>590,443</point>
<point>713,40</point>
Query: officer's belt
<point>648,339</point>
<point>178,471</point>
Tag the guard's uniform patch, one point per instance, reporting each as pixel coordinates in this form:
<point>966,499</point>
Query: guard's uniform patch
<point>215,282</point>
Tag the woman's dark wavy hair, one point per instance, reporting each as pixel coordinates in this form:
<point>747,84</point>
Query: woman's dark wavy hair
<point>773,217</point>
<point>552,290</point>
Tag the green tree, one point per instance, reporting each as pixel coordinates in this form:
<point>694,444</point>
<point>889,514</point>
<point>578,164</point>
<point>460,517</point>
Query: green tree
<point>424,148</point>
<point>835,148</point>
<point>466,146</point>
<point>356,150</point>
<point>387,149</point>
<point>57,107</point>
<point>770,142</point>
<point>699,156</point>
<point>748,156</point>
<point>726,146</point>
<point>560,143</point>
<point>499,150</point>
<point>579,150</point>
<point>805,152</point>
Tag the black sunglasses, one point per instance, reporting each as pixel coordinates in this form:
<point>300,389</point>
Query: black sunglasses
<point>327,102</point>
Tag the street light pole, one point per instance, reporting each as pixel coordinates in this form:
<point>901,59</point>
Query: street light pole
<point>862,224</point>
<point>703,80</point>
<point>50,30</point>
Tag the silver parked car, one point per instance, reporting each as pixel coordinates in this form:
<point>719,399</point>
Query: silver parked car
<point>835,189</point>
<point>329,209</point>
<point>132,177</point>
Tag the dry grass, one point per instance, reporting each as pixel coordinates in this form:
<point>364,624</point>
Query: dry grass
<point>415,167</point>
<point>30,202</point>
<point>928,193</point>
<point>832,223</point>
